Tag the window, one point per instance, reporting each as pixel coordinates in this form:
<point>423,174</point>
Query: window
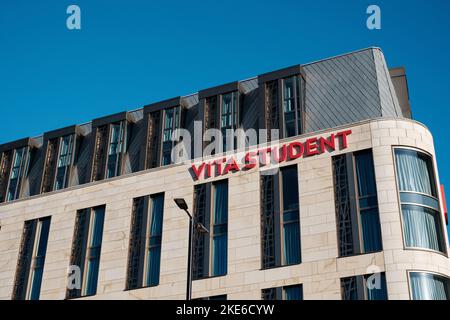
<point>283,106</point>
<point>367,287</point>
<point>161,126</point>
<point>86,249</point>
<point>228,117</point>
<point>428,286</point>
<point>280,226</point>
<point>422,222</point>
<point>56,173</point>
<point>30,266</point>
<point>110,145</point>
<point>291,107</point>
<point>145,241</point>
<point>222,113</point>
<point>64,162</point>
<point>116,141</point>
<point>211,229</point>
<point>17,173</point>
<point>294,292</point>
<point>171,122</point>
<point>356,203</point>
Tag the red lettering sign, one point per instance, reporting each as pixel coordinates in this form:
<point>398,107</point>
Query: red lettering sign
<point>285,152</point>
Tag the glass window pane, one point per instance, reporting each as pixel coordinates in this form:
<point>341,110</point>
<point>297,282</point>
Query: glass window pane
<point>39,260</point>
<point>422,228</point>
<point>220,217</point>
<point>94,250</point>
<point>365,174</point>
<point>293,292</point>
<point>415,172</point>
<point>426,286</point>
<point>154,251</point>
<point>290,188</point>
<point>371,231</point>
<point>376,286</point>
<point>291,233</point>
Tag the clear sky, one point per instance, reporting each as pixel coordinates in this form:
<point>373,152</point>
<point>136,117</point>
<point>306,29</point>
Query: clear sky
<point>131,53</point>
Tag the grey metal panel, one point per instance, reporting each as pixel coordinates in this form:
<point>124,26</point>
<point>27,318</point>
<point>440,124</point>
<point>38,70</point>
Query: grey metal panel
<point>32,181</point>
<point>341,90</point>
<point>249,85</point>
<point>136,139</point>
<point>390,106</point>
<point>250,111</point>
<point>82,168</point>
<point>400,82</point>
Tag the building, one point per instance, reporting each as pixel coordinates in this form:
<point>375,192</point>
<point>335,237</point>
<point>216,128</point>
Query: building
<point>351,208</point>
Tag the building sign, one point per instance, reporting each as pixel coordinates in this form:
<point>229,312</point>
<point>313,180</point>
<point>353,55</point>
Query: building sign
<point>271,155</point>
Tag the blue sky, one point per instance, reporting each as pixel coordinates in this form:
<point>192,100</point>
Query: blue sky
<point>131,53</point>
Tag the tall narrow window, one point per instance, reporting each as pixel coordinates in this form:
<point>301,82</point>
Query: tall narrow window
<point>109,149</point>
<point>145,241</point>
<point>222,113</point>
<point>294,292</point>
<point>116,143</point>
<point>284,106</point>
<point>171,122</point>
<point>211,231</point>
<point>357,221</point>
<point>368,202</point>
<point>30,267</point>
<point>18,170</point>
<point>219,228</point>
<point>428,286</point>
<point>86,250</point>
<point>367,287</point>
<point>422,222</point>
<point>228,117</point>
<point>64,162</point>
<point>58,160</point>
<point>280,226</point>
<point>291,107</point>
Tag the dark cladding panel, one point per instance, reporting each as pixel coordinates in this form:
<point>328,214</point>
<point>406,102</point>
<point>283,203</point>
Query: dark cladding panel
<point>341,90</point>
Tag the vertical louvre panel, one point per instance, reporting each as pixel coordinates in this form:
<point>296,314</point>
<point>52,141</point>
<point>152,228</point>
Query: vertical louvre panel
<point>101,139</point>
<point>271,107</point>
<point>349,288</point>
<point>212,112</point>
<point>50,165</point>
<point>134,278</point>
<point>5,167</point>
<point>342,204</point>
<point>24,261</point>
<point>268,220</point>
<point>269,294</point>
<point>200,212</point>
<point>78,245</point>
<point>153,139</point>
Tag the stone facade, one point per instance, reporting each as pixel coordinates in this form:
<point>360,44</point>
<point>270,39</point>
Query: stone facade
<point>319,272</point>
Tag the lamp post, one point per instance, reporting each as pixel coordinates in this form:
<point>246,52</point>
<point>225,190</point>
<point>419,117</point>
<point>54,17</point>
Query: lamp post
<point>181,203</point>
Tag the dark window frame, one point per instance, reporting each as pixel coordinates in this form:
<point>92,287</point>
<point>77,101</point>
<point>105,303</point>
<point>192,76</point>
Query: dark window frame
<point>203,255</point>
<point>141,241</point>
<point>435,196</point>
<point>276,220</point>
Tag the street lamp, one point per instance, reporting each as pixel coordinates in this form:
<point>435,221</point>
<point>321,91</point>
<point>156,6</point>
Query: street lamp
<point>181,203</point>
